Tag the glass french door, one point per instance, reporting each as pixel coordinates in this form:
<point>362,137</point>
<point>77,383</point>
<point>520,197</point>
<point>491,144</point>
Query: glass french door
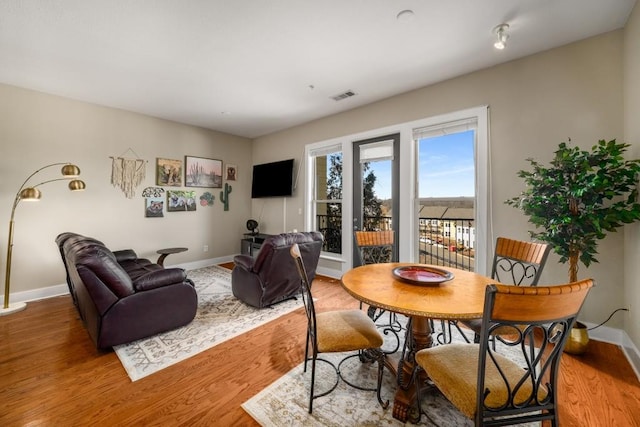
<point>376,185</point>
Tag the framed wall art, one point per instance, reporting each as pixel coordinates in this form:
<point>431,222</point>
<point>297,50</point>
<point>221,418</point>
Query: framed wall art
<point>169,172</point>
<point>207,199</point>
<point>202,172</point>
<point>231,172</point>
<point>154,207</point>
<point>181,201</point>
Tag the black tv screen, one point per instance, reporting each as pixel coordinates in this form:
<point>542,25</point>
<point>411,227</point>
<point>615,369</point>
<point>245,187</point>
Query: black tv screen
<point>272,179</point>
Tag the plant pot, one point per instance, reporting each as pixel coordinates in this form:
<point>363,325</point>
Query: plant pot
<point>578,339</point>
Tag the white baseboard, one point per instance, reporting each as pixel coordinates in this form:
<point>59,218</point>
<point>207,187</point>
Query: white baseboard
<point>605,333</point>
<point>632,353</point>
<point>38,294</point>
<point>329,272</point>
<point>620,338</point>
<point>203,263</point>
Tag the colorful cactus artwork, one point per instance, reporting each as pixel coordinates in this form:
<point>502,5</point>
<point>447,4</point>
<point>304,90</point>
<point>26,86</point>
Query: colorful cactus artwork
<point>224,195</point>
<point>207,199</point>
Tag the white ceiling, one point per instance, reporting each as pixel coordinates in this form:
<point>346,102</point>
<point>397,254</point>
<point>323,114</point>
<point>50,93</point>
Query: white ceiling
<point>252,67</point>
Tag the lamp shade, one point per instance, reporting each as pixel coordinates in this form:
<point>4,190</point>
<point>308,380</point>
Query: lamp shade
<point>30,194</point>
<point>77,185</point>
<point>70,170</point>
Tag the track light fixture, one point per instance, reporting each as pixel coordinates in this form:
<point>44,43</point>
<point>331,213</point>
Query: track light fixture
<point>502,35</point>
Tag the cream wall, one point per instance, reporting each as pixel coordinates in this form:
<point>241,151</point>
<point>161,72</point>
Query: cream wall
<point>632,136</point>
<point>574,91</point>
<point>535,103</point>
<point>38,129</point>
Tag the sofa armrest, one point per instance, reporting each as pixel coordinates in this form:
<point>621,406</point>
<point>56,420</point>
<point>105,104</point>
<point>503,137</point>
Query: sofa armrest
<point>159,278</point>
<point>125,255</point>
<point>244,261</point>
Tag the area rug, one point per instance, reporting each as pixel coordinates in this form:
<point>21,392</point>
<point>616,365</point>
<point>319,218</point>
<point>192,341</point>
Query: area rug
<point>286,401</point>
<point>220,317</point>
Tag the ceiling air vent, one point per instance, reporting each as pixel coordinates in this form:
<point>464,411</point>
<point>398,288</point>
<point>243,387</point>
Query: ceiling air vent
<point>344,95</point>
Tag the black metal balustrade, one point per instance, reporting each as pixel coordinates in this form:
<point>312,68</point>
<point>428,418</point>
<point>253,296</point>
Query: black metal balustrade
<point>331,228</point>
<point>440,242</point>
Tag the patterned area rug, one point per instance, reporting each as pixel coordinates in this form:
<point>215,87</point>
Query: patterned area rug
<point>286,401</point>
<point>220,317</point>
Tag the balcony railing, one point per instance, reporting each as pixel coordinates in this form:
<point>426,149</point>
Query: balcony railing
<point>331,228</point>
<point>447,242</point>
<point>444,242</point>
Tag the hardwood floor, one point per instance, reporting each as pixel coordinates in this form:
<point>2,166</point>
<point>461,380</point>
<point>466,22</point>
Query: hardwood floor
<point>52,375</point>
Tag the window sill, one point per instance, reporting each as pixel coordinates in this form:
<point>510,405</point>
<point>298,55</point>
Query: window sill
<point>332,257</point>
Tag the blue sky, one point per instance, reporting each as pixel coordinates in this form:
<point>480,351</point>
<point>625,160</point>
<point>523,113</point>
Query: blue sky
<point>445,168</point>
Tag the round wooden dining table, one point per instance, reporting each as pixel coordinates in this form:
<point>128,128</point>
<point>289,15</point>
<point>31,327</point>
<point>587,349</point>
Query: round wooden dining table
<point>460,297</point>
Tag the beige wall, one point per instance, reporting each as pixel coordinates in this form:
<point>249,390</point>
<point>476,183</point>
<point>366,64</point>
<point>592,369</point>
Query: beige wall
<point>632,136</point>
<point>535,103</point>
<point>38,129</point>
<point>574,91</point>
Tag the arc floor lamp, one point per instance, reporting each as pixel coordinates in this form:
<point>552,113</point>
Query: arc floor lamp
<point>31,193</point>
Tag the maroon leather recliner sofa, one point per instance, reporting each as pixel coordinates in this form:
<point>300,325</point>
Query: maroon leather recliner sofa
<point>121,297</point>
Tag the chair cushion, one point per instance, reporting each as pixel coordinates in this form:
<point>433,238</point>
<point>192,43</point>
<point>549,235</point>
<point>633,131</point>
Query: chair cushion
<point>346,330</point>
<point>454,370</point>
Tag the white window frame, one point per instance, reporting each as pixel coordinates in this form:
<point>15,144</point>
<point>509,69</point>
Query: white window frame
<point>311,152</point>
<point>409,200</point>
<point>483,232</point>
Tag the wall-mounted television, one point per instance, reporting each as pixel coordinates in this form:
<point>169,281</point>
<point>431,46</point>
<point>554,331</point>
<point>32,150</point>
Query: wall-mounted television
<point>273,179</point>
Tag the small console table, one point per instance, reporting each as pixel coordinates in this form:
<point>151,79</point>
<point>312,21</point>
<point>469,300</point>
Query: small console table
<point>168,251</point>
<point>251,243</point>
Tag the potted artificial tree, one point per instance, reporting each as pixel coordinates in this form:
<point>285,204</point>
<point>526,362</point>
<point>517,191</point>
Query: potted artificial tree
<point>580,197</point>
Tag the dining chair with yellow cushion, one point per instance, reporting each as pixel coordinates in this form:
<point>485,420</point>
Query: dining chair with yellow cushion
<point>336,332</point>
<point>515,262</point>
<point>518,262</point>
<point>374,247</point>
<point>494,389</point>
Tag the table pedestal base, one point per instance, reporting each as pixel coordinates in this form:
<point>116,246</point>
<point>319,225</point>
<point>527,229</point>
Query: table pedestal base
<point>410,378</point>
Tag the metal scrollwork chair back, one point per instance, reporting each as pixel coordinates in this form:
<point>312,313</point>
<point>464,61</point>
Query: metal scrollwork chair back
<point>515,262</point>
<point>336,332</point>
<point>375,246</point>
<point>379,247</point>
<point>493,389</point>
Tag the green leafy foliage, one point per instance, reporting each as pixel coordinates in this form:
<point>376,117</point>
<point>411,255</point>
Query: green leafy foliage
<point>371,204</point>
<point>580,197</point>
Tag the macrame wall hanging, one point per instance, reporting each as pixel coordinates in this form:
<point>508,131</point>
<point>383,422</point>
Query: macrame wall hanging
<point>127,174</point>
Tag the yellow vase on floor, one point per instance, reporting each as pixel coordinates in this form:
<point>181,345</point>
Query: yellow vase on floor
<point>578,339</point>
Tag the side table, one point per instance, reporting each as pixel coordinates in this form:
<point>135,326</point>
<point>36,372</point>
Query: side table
<point>168,251</point>
<point>251,243</point>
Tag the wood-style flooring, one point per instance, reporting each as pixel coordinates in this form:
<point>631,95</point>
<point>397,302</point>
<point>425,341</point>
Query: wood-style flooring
<point>52,375</point>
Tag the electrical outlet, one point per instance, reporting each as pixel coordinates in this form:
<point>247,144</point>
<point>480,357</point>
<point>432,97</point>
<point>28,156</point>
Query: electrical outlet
<point>205,248</point>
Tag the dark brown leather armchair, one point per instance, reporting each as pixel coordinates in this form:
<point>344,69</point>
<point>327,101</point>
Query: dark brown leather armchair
<point>272,276</point>
<point>121,297</point>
